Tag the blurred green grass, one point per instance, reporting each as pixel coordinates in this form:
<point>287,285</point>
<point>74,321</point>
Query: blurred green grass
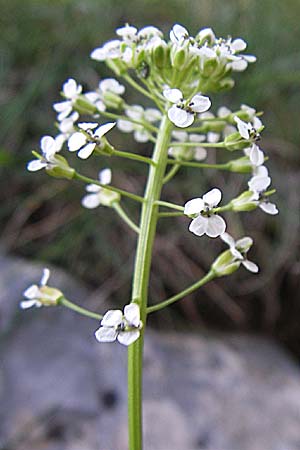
<point>43,43</point>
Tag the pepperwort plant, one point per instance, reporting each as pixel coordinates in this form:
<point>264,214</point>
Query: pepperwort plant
<point>177,75</point>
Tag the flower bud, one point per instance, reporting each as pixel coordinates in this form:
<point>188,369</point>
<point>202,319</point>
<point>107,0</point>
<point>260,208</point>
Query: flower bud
<point>83,106</point>
<point>49,296</point>
<point>240,165</point>
<point>113,100</point>
<point>109,197</point>
<point>161,55</point>
<point>105,147</point>
<point>244,202</point>
<point>117,66</point>
<point>233,142</point>
<point>225,264</point>
<point>61,169</point>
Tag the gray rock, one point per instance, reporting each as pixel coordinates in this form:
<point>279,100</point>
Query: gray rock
<point>61,390</point>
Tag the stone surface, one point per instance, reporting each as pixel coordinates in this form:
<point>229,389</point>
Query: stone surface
<point>61,390</point>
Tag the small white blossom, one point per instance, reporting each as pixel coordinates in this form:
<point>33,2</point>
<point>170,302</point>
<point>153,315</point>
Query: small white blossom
<point>185,152</point>
<point>71,90</point>
<point>110,50</point>
<point>255,154</point>
<point>258,184</point>
<point>182,113</point>
<point>247,130</point>
<point>179,34</point>
<point>239,250</point>
<point>49,147</point>
<point>206,221</point>
<point>86,142</point>
<point>125,327</point>
<point>97,195</point>
<point>39,295</point>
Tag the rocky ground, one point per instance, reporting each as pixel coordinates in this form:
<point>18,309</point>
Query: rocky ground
<point>61,390</point>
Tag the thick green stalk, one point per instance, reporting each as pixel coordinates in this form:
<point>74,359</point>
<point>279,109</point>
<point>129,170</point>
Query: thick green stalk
<point>149,217</point>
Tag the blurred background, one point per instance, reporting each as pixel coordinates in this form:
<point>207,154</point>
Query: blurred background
<point>45,42</point>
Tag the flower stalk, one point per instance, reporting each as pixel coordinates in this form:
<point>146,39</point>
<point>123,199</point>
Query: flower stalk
<point>148,223</point>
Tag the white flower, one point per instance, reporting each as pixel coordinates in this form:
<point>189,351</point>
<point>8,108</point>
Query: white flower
<point>110,50</point>
<point>128,33</point>
<point>255,154</point>
<point>179,34</point>
<point>247,130</point>
<point>49,147</point>
<point>99,195</point>
<point>206,221</point>
<point>71,90</point>
<point>108,85</point>
<point>182,114</point>
<point>138,113</point>
<point>239,250</point>
<point>125,327</point>
<point>39,295</point>
<point>185,152</point>
<point>86,142</point>
<point>258,184</point>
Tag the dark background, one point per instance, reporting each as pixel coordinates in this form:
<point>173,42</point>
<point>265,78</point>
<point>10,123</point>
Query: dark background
<point>42,44</point>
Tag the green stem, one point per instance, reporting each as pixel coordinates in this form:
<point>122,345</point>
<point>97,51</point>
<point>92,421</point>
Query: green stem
<point>143,91</point>
<point>148,223</point>
<point>170,214</point>
<point>135,197</point>
<point>169,205</point>
<point>198,165</point>
<point>84,312</point>
<point>133,156</point>
<point>172,172</point>
<point>208,277</point>
<point>120,211</point>
<point>198,144</point>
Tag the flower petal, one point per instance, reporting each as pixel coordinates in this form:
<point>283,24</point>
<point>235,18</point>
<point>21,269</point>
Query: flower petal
<point>194,206</point>
<point>28,304</point>
<point>256,155</point>
<point>259,184</point>
<point>228,239</point>
<point>251,266</point>
<point>76,141</point>
<point>244,243</point>
<point>106,334</point>
<point>125,126</point>
<point>91,201</point>
<point>173,95</point>
<point>36,164</point>
<point>180,117</point>
<point>112,318</point>
<point>198,226</point>
<point>269,208</point>
<point>238,45</point>
<point>213,197</point>
<point>200,103</point>
<point>86,151</point>
<point>103,129</point>
<point>216,226</point>
<point>132,314</point>
<point>32,292</point>
<point>128,337</point>
<point>45,277</point>
<point>104,176</point>
<point>243,127</point>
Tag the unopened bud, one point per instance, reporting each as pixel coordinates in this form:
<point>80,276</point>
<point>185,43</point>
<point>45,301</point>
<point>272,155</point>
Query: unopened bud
<point>61,169</point>
<point>84,107</point>
<point>234,142</point>
<point>225,264</point>
<point>244,202</point>
<point>240,165</point>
